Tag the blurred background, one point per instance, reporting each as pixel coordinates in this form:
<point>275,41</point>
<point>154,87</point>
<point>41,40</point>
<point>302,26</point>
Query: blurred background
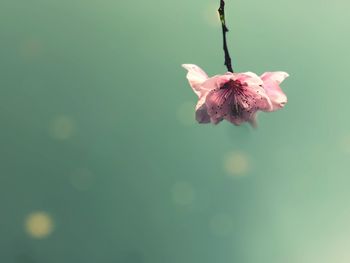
<point>102,161</point>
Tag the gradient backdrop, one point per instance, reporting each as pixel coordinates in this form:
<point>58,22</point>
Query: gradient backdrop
<point>102,161</point>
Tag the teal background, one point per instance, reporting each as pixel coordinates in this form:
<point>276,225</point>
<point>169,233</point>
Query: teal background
<point>97,131</point>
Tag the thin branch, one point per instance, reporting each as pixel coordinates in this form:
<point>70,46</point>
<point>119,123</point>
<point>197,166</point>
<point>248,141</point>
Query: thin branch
<point>221,11</point>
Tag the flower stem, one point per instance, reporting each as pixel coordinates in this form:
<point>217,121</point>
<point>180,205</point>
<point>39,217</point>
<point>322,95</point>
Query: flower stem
<point>221,11</point>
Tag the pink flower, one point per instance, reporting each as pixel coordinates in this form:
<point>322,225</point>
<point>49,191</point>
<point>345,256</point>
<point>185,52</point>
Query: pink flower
<point>235,97</point>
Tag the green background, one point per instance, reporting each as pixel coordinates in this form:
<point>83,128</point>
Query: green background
<point>97,131</point>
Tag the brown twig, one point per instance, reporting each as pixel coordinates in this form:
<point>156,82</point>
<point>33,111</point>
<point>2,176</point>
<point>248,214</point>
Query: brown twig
<point>221,11</point>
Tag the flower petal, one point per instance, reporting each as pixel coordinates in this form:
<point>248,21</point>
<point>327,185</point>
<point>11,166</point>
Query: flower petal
<point>202,115</point>
<point>249,78</point>
<point>278,76</point>
<point>257,98</point>
<point>216,81</point>
<point>196,76</point>
<point>219,103</point>
<point>273,90</point>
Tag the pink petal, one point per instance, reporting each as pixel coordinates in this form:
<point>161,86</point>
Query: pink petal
<point>249,78</point>
<point>278,76</point>
<point>196,76</point>
<point>273,90</point>
<point>253,90</point>
<point>219,103</point>
<point>255,98</point>
<point>202,115</point>
<point>216,81</point>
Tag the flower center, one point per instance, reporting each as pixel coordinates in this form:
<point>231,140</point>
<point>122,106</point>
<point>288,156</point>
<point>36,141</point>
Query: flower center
<point>241,101</point>
<point>232,84</point>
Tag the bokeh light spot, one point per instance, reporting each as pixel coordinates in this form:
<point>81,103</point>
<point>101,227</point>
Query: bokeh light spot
<point>211,15</point>
<point>186,113</point>
<point>236,164</point>
<point>63,128</point>
<point>39,225</point>
<point>221,225</point>
<point>183,193</point>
